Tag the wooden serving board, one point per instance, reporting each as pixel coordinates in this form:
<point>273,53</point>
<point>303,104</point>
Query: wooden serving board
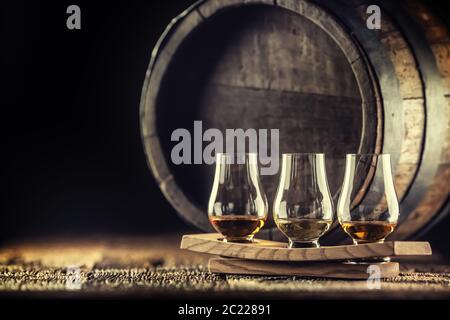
<point>336,270</point>
<point>266,250</point>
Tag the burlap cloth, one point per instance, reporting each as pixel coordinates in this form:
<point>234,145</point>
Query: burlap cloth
<point>156,268</point>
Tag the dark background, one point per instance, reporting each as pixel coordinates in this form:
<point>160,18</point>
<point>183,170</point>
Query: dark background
<point>72,160</point>
<point>73,153</point>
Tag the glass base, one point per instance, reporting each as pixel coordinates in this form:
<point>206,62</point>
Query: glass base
<point>237,240</point>
<point>298,244</point>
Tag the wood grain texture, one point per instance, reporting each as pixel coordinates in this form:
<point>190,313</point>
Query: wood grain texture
<point>277,251</point>
<point>301,115</point>
<point>327,22</point>
<point>413,108</point>
<point>316,270</point>
<point>434,204</point>
<point>210,8</point>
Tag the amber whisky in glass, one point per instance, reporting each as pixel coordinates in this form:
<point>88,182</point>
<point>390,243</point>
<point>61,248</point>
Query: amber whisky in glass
<point>237,206</point>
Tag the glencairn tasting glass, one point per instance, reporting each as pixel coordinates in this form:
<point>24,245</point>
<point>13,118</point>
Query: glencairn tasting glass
<point>303,208</point>
<point>368,208</point>
<point>238,206</point>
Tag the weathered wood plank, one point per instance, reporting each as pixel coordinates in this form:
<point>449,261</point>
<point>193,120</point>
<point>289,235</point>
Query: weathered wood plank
<point>413,107</point>
<point>435,165</point>
<point>325,21</point>
<point>309,123</point>
<point>210,8</point>
<point>275,49</point>
<point>317,270</point>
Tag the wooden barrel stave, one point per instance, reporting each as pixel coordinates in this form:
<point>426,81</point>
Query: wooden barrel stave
<point>435,160</point>
<point>411,91</point>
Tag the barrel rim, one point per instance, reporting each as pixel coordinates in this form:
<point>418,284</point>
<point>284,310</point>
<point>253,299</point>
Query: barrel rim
<point>159,167</point>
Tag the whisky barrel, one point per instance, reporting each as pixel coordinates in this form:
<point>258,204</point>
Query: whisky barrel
<point>313,70</point>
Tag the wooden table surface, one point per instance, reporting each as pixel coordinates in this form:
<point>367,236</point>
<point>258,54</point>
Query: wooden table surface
<point>155,267</point>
